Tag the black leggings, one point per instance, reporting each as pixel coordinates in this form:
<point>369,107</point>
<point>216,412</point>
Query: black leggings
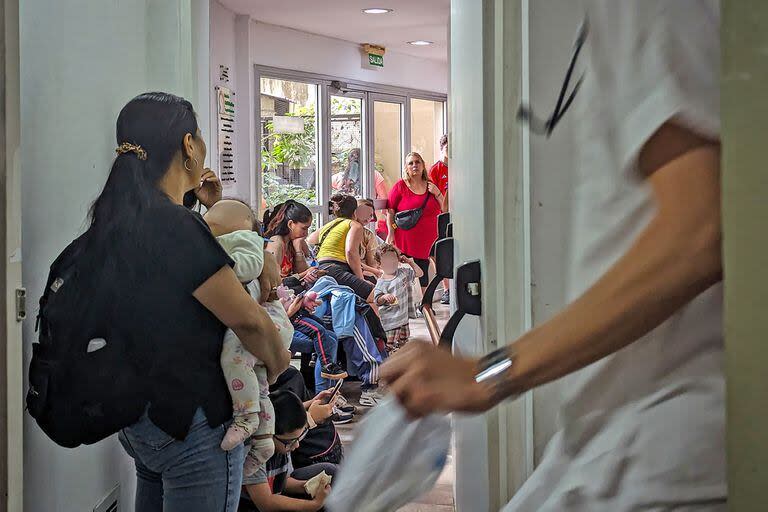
<point>423,264</point>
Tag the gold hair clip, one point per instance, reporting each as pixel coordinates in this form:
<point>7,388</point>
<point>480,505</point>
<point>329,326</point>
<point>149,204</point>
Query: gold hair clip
<point>127,147</point>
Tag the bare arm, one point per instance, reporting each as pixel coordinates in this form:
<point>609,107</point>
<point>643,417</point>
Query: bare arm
<point>390,226</point>
<point>416,269</point>
<point>262,497</point>
<point>224,296</point>
<point>314,237</point>
<point>299,260</point>
<point>674,259</point>
<point>354,239</point>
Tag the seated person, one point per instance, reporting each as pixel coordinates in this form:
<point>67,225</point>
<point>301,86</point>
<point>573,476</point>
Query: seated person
<point>276,486</point>
<point>322,443</point>
<point>233,223</point>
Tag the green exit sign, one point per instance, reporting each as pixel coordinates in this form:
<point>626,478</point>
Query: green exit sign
<point>376,60</point>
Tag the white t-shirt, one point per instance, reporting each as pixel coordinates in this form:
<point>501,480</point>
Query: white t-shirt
<point>643,427</point>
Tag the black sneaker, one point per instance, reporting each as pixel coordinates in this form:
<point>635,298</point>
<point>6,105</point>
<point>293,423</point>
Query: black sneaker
<point>343,405</point>
<point>333,371</point>
<point>446,299</point>
<point>340,417</point>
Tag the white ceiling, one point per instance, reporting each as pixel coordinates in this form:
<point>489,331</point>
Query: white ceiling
<point>344,19</point>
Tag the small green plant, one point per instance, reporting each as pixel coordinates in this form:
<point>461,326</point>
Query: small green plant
<point>276,192</point>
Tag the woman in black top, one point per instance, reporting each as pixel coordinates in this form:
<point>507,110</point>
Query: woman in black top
<point>173,293</point>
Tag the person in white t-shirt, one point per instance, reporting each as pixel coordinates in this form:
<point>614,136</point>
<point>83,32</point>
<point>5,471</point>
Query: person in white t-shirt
<point>641,342</point>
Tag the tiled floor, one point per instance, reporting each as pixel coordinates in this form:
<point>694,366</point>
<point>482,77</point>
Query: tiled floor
<point>440,498</point>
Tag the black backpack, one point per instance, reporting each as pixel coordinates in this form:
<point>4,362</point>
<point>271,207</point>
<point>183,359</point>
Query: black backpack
<point>82,386</point>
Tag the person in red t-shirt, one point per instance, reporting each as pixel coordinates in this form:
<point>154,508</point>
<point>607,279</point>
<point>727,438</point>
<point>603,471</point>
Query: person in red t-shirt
<point>438,175</point>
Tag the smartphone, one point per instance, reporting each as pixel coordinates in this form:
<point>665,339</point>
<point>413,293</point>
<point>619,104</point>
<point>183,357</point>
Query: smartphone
<point>336,390</point>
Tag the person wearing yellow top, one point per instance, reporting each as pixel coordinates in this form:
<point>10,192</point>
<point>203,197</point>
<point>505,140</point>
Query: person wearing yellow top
<point>338,243</point>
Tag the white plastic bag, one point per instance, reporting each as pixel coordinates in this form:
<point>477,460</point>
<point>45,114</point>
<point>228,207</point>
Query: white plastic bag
<point>393,461</point>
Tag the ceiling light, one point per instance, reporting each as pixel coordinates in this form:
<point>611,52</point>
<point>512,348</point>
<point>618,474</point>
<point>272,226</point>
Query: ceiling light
<point>420,43</point>
<point>377,10</point>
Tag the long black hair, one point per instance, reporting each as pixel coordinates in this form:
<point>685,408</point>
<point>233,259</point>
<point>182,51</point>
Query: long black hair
<point>275,221</point>
<point>158,123</point>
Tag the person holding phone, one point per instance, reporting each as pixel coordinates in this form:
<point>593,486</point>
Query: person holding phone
<point>286,226</point>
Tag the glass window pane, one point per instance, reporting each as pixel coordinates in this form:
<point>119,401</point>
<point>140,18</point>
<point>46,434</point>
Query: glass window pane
<point>387,150</point>
<point>289,150</point>
<point>426,129</point>
<point>346,141</point>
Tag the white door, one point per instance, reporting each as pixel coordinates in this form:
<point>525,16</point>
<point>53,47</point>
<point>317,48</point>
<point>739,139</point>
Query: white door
<point>11,406</point>
<point>489,212</point>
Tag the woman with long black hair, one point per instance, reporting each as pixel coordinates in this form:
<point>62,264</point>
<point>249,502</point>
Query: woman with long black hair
<point>172,293</point>
<point>286,226</point>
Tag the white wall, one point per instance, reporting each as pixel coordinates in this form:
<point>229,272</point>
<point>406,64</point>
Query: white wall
<point>553,28</point>
<point>241,43</point>
<point>81,61</point>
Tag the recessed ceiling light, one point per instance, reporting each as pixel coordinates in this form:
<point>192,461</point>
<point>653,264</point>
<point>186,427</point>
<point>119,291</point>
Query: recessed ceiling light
<point>377,10</point>
<point>420,43</point>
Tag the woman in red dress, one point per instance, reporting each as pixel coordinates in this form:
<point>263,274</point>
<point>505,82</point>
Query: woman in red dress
<point>410,193</point>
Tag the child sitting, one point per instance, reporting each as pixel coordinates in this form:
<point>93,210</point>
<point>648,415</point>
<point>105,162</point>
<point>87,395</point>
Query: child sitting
<point>392,294</point>
<point>235,227</point>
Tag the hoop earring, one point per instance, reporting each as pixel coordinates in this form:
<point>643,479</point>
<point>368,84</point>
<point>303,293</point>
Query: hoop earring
<point>186,166</point>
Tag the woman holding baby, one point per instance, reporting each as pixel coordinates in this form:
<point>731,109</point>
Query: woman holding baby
<point>174,293</point>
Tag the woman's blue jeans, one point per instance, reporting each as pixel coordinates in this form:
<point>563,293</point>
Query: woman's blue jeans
<point>194,475</point>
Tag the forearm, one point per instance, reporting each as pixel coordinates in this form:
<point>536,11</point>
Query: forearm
<point>353,260</point>
<point>294,486</point>
<point>368,268</point>
<point>300,263</point>
<point>416,269</point>
<point>665,268</point>
<point>390,223</point>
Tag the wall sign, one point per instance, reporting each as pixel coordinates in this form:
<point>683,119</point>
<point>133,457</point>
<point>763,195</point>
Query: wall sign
<point>373,55</point>
<point>376,60</point>
<point>226,128</point>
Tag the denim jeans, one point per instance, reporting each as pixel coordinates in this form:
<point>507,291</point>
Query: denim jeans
<point>194,475</point>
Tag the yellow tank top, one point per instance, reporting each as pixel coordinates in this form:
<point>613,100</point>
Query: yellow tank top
<point>334,237</point>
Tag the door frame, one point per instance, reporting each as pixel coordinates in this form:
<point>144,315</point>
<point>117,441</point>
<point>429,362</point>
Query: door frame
<point>489,163</point>
<point>369,92</point>
<point>405,133</point>
<point>11,358</point>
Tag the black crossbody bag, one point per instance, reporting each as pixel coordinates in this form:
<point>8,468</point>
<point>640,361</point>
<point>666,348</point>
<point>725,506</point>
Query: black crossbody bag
<point>407,219</point>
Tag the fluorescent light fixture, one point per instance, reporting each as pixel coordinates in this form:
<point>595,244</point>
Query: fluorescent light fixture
<point>420,43</point>
<point>377,10</point>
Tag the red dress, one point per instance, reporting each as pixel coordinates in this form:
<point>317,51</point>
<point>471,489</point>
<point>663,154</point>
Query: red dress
<point>418,241</point>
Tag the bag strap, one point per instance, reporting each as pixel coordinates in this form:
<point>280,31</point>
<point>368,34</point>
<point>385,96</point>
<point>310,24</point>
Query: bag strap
<point>328,231</point>
<point>426,199</point>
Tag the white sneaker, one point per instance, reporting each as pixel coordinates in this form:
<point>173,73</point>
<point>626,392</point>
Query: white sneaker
<point>371,398</point>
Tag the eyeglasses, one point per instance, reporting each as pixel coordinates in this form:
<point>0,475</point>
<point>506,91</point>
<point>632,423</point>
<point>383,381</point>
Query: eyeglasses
<point>526,115</point>
<point>288,443</point>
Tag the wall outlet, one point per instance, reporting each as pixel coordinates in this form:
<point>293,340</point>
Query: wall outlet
<point>109,502</point>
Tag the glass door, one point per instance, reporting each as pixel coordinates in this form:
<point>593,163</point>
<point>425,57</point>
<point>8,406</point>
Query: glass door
<point>427,127</point>
<point>290,148</point>
<point>348,144</point>
<point>387,126</point>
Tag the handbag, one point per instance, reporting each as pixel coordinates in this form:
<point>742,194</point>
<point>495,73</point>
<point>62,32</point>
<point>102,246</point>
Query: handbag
<point>407,219</point>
